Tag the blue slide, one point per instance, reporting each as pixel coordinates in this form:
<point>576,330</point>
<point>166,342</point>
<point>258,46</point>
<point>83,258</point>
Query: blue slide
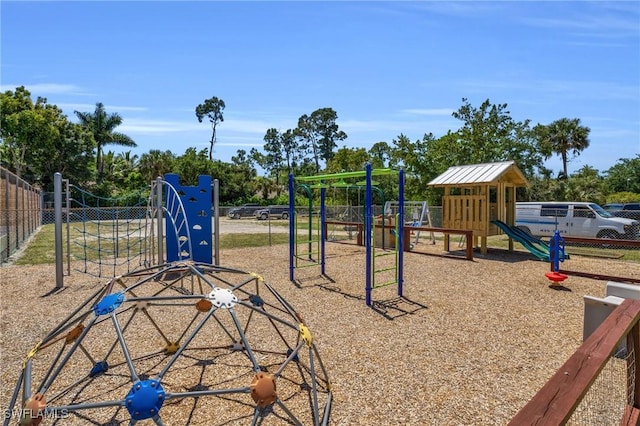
<point>536,246</point>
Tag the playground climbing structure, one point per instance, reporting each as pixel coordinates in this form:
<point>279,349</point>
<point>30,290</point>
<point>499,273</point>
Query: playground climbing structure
<point>169,222</point>
<point>178,343</point>
<point>308,249</point>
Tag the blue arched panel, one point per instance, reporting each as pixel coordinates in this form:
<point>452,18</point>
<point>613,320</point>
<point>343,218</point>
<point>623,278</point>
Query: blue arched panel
<point>197,205</point>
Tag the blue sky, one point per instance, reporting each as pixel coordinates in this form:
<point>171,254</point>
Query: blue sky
<point>386,68</point>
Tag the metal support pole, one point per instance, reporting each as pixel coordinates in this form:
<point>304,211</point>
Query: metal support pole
<point>57,205</point>
<point>159,220</point>
<point>67,210</point>
<point>16,228</point>
<point>216,221</point>
<point>323,219</point>
<point>400,235</point>
<point>292,229</point>
<point>23,210</point>
<point>7,218</point>
<point>368,218</point>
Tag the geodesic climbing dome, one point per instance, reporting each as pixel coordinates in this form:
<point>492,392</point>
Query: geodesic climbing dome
<point>181,343</point>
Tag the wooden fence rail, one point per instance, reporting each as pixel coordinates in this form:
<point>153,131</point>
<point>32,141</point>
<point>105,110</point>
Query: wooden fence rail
<point>555,402</point>
<point>407,234</point>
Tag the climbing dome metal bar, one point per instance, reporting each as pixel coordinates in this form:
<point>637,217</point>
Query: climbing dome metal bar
<point>180,342</point>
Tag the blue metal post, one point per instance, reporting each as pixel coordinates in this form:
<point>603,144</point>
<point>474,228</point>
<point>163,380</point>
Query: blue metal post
<point>400,235</point>
<point>368,217</point>
<point>292,221</point>
<point>556,251</point>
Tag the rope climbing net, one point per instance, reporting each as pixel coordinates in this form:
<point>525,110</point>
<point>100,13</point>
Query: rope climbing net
<point>108,235</point>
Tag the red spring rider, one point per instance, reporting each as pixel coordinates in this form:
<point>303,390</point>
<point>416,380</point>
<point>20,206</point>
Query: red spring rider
<point>556,255</point>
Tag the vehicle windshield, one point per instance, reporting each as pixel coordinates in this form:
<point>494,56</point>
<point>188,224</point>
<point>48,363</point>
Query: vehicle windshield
<point>602,212</point>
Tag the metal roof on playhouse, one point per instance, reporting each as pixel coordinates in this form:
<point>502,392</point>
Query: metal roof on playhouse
<point>474,174</point>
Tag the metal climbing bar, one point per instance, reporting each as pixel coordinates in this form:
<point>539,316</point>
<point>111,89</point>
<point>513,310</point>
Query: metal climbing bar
<point>347,175</point>
<point>324,181</point>
<point>393,252</point>
<point>309,241</point>
<point>371,245</point>
<point>313,253</point>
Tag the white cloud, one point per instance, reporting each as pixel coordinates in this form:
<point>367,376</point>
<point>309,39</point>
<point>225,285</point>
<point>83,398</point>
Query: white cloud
<point>417,126</point>
<point>471,9</point>
<point>620,135</point>
<point>92,107</point>
<point>566,88</point>
<point>40,89</point>
<point>250,126</point>
<point>429,111</point>
<point>590,24</point>
<point>145,126</point>
<point>239,144</point>
<point>142,125</point>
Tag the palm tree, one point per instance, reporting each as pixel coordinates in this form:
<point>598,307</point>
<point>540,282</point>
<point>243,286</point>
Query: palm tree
<point>124,164</point>
<point>155,163</point>
<point>561,137</point>
<point>102,125</point>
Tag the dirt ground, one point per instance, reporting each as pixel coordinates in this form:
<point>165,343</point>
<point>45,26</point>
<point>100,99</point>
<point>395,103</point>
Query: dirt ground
<point>469,343</point>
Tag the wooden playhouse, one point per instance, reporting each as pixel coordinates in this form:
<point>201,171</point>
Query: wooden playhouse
<point>476,194</point>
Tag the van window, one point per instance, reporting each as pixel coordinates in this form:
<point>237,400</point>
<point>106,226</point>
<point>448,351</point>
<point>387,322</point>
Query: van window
<point>583,211</point>
<point>554,210</point>
<point>601,212</point>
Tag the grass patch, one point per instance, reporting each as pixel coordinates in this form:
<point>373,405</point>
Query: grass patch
<point>41,248</point>
<point>229,241</point>
<point>630,254</point>
<point>502,242</point>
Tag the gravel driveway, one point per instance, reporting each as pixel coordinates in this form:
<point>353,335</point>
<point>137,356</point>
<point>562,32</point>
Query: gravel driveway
<point>252,226</point>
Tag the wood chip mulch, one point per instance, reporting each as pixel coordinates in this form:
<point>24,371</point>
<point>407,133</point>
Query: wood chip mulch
<point>469,343</point>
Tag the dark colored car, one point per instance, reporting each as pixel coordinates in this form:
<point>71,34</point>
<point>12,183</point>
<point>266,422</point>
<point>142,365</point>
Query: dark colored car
<point>613,207</point>
<point>245,210</point>
<point>628,210</point>
<point>278,212</point>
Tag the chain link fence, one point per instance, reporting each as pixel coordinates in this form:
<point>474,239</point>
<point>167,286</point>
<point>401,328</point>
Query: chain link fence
<point>588,230</point>
<point>73,215</point>
<point>20,208</point>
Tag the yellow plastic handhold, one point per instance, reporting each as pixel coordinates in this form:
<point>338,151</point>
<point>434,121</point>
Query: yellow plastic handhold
<point>32,352</point>
<point>306,334</point>
<point>171,348</point>
<point>259,277</point>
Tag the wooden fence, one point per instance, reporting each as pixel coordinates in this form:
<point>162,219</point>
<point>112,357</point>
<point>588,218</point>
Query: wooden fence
<point>556,402</point>
<point>20,207</point>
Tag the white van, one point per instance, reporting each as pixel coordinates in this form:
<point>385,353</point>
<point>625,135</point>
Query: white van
<point>576,219</point>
